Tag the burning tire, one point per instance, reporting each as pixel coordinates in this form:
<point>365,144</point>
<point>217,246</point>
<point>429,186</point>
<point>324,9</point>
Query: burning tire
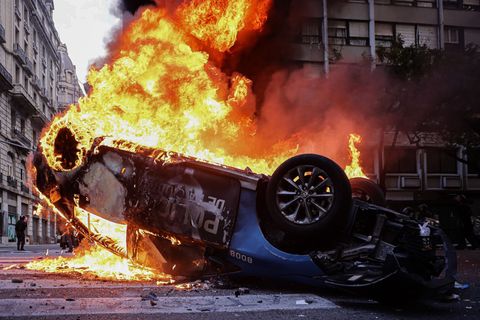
<point>309,197</point>
<point>368,191</point>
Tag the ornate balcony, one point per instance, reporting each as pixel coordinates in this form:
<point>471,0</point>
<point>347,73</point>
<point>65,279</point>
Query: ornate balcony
<point>21,138</point>
<point>39,119</point>
<point>23,99</point>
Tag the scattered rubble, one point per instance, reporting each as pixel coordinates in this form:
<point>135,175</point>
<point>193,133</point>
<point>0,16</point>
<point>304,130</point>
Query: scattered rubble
<point>241,291</point>
<point>151,296</point>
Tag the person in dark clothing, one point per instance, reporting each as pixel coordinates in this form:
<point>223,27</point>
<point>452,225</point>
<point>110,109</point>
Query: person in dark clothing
<point>20,228</point>
<point>464,214</point>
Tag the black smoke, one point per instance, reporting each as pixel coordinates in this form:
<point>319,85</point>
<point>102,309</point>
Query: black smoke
<point>133,5</point>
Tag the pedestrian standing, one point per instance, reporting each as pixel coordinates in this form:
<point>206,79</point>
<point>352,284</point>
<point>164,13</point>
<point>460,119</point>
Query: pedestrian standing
<point>464,214</point>
<point>20,228</point>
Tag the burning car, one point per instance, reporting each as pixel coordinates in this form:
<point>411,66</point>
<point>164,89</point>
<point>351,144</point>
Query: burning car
<point>187,217</point>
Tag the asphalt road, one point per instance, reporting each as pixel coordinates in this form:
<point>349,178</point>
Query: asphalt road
<point>51,296</point>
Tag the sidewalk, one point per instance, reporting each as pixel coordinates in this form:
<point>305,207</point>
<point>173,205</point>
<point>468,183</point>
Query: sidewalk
<point>14,244</point>
<point>31,248</point>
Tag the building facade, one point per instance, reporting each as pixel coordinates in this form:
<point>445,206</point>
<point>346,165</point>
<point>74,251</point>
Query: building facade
<point>32,78</point>
<point>345,32</point>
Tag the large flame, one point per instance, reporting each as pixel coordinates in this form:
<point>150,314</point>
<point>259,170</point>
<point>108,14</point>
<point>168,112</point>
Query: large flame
<point>218,22</point>
<point>354,169</point>
<point>160,91</point>
<point>98,263</point>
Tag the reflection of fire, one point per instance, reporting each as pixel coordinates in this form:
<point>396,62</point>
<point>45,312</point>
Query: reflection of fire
<point>354,170</point>
<point>98,263</point>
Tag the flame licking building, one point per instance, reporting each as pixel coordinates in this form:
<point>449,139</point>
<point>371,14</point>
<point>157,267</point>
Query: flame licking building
<point>37,78</point>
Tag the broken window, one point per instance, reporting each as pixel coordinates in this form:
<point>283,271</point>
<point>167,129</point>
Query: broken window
<point>400,160</point>
<point>441,161</point>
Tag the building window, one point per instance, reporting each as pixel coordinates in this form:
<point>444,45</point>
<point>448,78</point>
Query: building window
<point>337,32</point>
<point>352,33</point>
<point>357,33</point>
<point>23,170</point>
<point>400,160</point>
<point>17,74</point>
<point>409,3</point>
<point>452,35</point>
<point>471,4</point>
<point>22,126</point>
<point>473,161</point>
<point>13,119</point>
<point>17,36</point>
<point>441,161</point>
<point>427,35</point>
<point>310,34</point>
<point>383,34</point>
<point>406,32</point>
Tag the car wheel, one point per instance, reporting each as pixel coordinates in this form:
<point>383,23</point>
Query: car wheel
<point>367,190</point>
<point>309,197</point>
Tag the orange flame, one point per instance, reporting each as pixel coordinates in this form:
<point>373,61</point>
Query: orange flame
<point>158,91</point>
<point>98,263</point>
<point>354,170</point>
<point>218,22</point>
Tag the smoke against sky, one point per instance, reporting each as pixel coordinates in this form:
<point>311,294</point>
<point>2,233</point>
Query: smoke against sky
<point>84,26</point>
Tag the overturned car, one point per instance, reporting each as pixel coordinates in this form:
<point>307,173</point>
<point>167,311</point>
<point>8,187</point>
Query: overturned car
<point>190,218</point>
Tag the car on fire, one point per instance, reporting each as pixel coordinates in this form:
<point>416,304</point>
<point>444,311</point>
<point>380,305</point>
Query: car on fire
<point>187,217</point>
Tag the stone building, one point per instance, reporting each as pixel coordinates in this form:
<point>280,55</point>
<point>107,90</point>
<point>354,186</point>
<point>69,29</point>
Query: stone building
<point>69,90</point>
<point>33,64</point>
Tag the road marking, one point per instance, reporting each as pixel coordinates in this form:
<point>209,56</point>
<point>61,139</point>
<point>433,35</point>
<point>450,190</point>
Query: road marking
<point>177,305</point>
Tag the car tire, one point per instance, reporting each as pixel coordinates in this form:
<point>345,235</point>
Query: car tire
<point>367,190</point>
<point>309,197</point>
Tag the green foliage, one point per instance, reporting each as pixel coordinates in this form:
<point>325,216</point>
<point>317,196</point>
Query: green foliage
<point>408,62</point>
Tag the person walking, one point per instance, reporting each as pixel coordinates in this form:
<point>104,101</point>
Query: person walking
<point>464,214</point>
<point>20,228</point>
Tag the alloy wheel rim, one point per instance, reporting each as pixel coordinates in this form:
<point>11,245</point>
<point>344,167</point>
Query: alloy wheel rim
<point>305,195</point>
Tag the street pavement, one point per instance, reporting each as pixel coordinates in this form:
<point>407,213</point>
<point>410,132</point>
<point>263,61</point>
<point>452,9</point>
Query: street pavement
<point>52,296</point>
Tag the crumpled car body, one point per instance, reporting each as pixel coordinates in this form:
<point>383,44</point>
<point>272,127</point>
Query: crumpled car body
<point>189,218</point>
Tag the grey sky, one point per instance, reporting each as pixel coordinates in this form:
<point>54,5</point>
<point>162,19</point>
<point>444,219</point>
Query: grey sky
<point>84,25</point>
